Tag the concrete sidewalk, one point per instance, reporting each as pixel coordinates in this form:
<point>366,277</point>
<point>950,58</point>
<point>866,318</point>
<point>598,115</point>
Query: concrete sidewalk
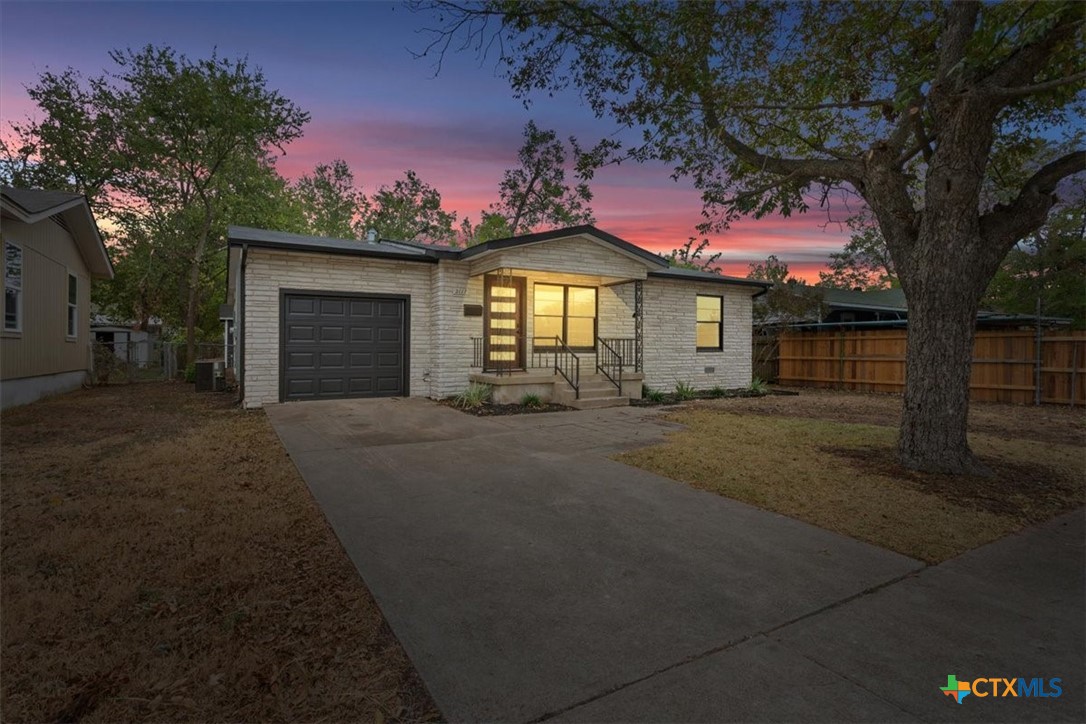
<point>528,577</point>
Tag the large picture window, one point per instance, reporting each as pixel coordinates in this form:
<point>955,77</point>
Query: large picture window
<point>567,312</point>
<point>73,306</point>
<point>13,287</point>
<point>710,323</point>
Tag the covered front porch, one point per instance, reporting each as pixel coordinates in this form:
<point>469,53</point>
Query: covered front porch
<point>562,337</point>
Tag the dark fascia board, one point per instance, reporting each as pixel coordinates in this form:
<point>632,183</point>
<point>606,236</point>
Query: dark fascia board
<point>711,278</point>
<point>264,239</point>
<point>586,229</point>
<point>865,307</point>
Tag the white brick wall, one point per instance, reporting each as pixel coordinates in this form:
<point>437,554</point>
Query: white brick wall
<point>266,272</point>
<point>671,354</point>
<point>439,292</point>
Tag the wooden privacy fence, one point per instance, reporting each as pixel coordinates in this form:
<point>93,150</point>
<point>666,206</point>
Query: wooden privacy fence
<point>1005,364</point>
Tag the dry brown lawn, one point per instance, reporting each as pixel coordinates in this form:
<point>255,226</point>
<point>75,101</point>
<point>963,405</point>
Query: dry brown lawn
<point>828,458</point>
<point>162,560</point>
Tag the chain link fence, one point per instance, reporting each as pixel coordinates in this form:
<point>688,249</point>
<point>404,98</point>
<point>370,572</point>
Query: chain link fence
<point>134,361</point>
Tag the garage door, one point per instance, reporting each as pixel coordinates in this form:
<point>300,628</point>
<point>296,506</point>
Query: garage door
<point>343,346</point>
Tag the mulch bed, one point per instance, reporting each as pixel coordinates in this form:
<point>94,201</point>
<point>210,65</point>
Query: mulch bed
<point>670,398</point>
<point>488,409</point>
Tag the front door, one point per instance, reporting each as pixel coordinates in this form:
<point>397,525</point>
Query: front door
<point>503,341</point>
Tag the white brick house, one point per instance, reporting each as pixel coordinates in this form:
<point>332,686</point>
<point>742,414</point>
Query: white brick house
<point>575,315</point>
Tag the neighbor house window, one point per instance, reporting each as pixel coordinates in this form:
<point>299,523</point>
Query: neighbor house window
<point>567,312</point>
<point>710,323</point>
<point>73,306</point>
<point>13,287</point>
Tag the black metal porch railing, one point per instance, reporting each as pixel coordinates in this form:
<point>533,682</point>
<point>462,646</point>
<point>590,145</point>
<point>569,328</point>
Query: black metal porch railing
<point>568,364</point>
<point>625,348</point>
<point>541,355</point>
<point>609,363</point>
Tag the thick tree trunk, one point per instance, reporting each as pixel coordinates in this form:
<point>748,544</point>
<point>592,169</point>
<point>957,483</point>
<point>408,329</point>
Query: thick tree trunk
<point>937,369</point>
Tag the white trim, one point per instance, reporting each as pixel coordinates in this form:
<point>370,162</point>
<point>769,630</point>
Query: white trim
<point>71,321</point>
<point>18,328</point>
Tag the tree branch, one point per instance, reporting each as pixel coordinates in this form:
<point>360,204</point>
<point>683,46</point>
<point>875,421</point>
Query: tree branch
<point>1006,224</point>
<point>1028,90</point>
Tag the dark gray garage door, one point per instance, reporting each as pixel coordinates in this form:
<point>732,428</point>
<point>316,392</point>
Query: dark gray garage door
<point>343,346</point>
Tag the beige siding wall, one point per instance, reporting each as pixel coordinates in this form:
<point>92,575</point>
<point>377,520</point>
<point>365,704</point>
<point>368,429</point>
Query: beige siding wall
<point>266,272</point>
<point>671,354</point>
<point>580,254</point>
<point>42,348</point>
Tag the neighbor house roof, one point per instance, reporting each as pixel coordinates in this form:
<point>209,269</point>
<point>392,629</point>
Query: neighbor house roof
<point>877,300</point>
<point>32,206</point>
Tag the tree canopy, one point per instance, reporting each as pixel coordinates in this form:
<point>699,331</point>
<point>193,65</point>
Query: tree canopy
<point>954,121</point>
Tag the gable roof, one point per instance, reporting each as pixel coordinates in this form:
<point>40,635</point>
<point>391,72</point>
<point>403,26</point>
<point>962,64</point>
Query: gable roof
<point>422,252</point>
<point>585,229</point>
<point>32,206</point>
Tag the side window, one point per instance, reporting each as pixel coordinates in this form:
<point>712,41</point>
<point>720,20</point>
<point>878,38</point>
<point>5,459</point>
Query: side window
<point>13,287</point>
<point>73,306</point>
<point>710,323</point>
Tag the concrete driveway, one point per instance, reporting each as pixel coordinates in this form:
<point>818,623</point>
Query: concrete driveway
<point>528,577</point>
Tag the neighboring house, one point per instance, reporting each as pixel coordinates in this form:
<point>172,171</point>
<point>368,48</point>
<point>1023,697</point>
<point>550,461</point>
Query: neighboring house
<point>127,342</point>
<point>885,308</point>
<point>574,315</point>
<point>52,251</point>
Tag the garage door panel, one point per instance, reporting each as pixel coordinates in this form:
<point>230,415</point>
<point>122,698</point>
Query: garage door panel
<point>360,385</point>
<point>301,360</point>
<point>361,360</point>
<point>361,334</point>
<point>333,360</point>
<point>343,347</point>
<point>301,306</point>
<point>388,384</point>
<point>301,387</point>
<point>331,386</point>
<point>331,333</point>
<point>360,308</point>
<point>333,307</point>
<point>388,334</point>
<point>301,333</point>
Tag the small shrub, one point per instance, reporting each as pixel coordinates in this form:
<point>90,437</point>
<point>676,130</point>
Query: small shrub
<point>190,372</point>
<point>684,391</point>
<point>530,400</point>
<point>717,391</point>
<point>474,396</point>
<point>647,393</point>
<point>758,386</point>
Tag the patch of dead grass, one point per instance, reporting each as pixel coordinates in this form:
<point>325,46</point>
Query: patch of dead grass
<point>842,476</point>
<point>163,560</point>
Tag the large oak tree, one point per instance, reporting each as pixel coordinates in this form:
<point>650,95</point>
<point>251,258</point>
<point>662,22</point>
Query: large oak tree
<point>954,121</point>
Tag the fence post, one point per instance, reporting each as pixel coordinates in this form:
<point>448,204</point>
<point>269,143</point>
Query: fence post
<point>1074,369</point>
<point>840,361</point>
<point>1037,359</point>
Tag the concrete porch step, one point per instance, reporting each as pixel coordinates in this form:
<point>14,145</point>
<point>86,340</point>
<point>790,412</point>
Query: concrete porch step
<point>596,403</point>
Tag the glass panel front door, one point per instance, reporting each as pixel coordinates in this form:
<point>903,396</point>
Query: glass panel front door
<point>503,340</point>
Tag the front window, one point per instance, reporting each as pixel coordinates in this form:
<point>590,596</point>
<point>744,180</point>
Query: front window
<point>13,287</point>
<point>567,312</point>
<point>73,306</point>
<point>710,323</point>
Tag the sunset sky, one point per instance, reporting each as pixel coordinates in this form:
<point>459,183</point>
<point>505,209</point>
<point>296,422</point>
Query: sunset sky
<point>350,65</point>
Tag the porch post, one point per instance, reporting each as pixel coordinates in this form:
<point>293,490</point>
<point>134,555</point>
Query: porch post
<point>639,325</point>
